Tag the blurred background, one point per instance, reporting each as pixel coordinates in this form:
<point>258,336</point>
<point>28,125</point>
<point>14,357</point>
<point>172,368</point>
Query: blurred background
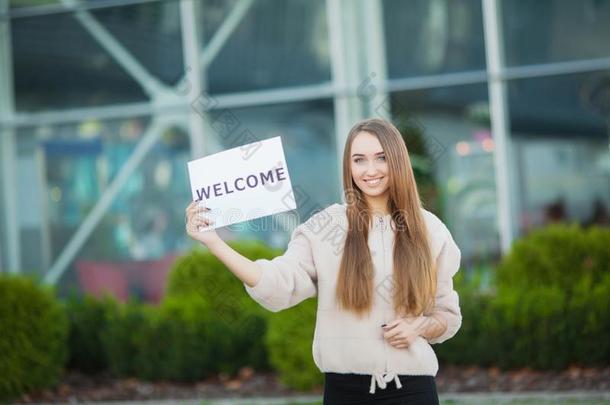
<point>103,103</point>
<point>504,104</point>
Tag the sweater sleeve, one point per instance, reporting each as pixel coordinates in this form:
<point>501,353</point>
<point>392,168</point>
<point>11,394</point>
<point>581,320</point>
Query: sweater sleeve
<point>287,279</point>
<point>447,302</point>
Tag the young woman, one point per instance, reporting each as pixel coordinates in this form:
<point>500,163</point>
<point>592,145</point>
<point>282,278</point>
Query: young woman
<point>381,267</point>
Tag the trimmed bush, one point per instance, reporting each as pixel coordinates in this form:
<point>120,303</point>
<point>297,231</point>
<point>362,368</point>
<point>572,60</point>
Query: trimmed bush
<point>178,342</point>
<point>589,319</point>
<point>33,337</point>
<point>124,335</point>
<point>206,324</point>
<point>551,308</point>
<point>182,340</point>
<point>241,319</point>
<point>558,255</point>
<point>472,343</point>
<point>535,329</point>
<point>550,290</point>
<point>88,317</point>
<point>289,342</point>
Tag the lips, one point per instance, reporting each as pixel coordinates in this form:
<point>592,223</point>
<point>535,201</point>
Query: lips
<point>373,182</point>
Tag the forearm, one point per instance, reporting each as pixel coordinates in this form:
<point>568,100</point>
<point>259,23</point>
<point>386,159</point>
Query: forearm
<point>243,268</point>
<point>433,326</point>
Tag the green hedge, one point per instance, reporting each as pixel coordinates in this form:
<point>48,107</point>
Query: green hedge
<point>176,341</point>
<point>289,341</point>
<point>547,308</point>
<point>551,290</point>
<point>550,309</point>
<point>558,255</point>
<point>33,337</point>
<point>183,342</point>
<point>206,324</point>
<point>242,319</point>
<point>180,340</point>
<point>471,344</point>
<point>89,317</point>
<point>123,336</point>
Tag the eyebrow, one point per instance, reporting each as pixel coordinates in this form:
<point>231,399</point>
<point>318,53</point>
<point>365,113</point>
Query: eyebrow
<point>360,154</point>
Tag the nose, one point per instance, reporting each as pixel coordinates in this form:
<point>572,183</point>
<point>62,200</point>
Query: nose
<point>371,169</point>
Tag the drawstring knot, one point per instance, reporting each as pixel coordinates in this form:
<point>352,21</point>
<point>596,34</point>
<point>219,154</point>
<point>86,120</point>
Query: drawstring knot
<point>382,379</point>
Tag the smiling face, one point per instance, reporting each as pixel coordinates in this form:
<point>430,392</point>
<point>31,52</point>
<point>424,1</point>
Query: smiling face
<point>369,166</point>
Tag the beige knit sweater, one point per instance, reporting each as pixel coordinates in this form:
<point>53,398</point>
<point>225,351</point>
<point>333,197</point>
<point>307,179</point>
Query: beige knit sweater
<point>342,342</point>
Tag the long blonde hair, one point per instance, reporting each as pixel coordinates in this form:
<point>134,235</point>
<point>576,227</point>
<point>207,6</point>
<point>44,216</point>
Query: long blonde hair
<point>414,275</point>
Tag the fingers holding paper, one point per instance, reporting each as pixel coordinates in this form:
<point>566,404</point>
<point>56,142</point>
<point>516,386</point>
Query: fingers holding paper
<point>198,222</point>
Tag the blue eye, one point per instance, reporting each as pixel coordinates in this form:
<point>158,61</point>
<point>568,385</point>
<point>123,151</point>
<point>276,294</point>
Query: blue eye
<point>358,160</point>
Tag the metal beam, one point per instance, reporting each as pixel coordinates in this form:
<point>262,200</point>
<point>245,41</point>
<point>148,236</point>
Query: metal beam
<point>225,30</point>
<point>161,95</point>
<point>304,93</point>
<point>371,18</point>
<point>122,56</point>
<point>219,38</point>
<point>341,22</point>
<point>49,9</point>
<point>25,120</point>
<point>8,150</point>
<point>191,31</point>
<point>554,69</point>
<point>499,119</point>
<point>177,104</point>
<point>81,235</point>
<point>359,73</point>
<point>436,81</point>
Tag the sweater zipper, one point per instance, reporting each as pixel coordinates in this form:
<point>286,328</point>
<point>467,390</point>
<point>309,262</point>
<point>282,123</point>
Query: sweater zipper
<point>385,347</point>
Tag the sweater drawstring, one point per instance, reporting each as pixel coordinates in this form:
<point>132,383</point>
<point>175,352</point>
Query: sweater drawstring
<point>382,379</point>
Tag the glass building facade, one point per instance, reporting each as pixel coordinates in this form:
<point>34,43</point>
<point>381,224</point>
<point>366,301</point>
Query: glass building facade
<point>103,102</point>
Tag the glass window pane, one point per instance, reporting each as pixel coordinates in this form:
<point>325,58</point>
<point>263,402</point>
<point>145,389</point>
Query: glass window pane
<point>448,132</point>
<point>307,132</point>
<point>69,167</point>
<point>49,74</point>
<point>426,37</point>
<point>561,148</point>
<point>545,31</point>
<point>15,4</point>
<point>151,32</point>
<point>277,44</point>
<point>30,203</point>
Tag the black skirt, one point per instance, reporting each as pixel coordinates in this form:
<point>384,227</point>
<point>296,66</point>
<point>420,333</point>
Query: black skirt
<point>348,389</point>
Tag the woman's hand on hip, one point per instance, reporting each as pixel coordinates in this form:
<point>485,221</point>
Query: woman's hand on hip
<point>402,332</point>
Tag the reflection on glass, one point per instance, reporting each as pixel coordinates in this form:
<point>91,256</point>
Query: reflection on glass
<point>545,31</point>
<point>426,37</point>
<point>151,32</point>
<point>277,44</point>
<point>561,134</point>
<point>49,74</point>
<point>146,220</point>
<point>70,168</point>
<point>307,133</point>
<point>15,4</point>
<point>454,125</point>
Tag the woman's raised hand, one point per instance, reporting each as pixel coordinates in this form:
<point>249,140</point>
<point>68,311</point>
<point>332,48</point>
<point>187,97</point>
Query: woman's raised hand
<point>196,217</point>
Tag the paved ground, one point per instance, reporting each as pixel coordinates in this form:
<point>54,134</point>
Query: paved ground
<point>547,398</point>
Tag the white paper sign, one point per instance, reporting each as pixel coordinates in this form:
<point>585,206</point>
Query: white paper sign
<point>243,183</point>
